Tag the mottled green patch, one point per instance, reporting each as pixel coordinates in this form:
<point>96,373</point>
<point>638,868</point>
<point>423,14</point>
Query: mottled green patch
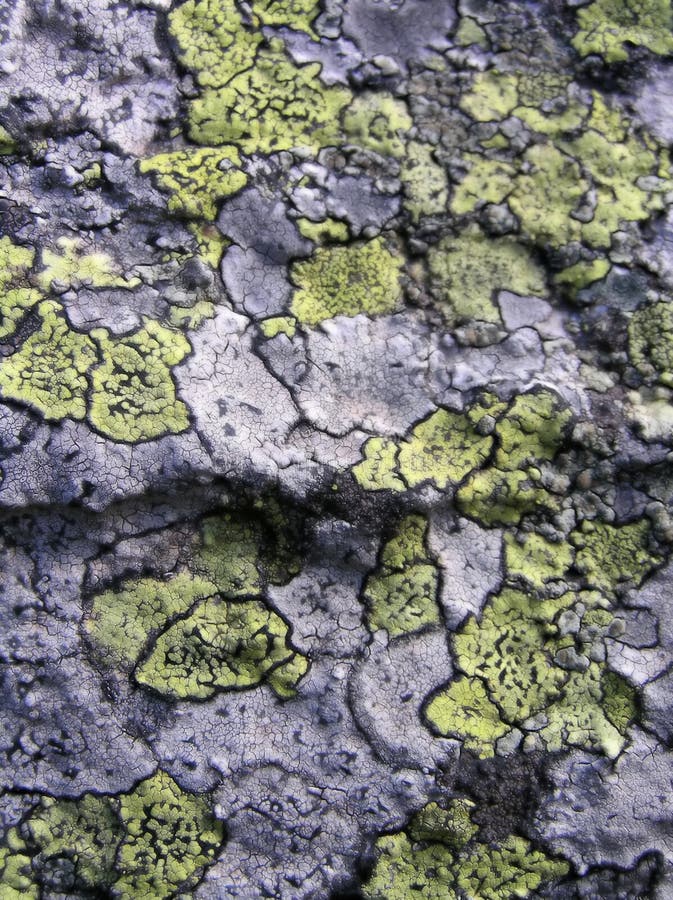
<point>612,556</point>
<point>207,629</point>
<point>378,470</point>
<point>286,325</point>
<point>69,267</point>
<point>651,341</point>
<point>134,396</point>
<point>213,41</point>
<point>7,142</point>
<point>401,595</point>
<point>524,665</point>
<point>222,645</point>
<point>547,193</point>
<point>154,841</point>
<point>424,181</point>
<point>470,32</point>
<point>530,433</point>
<point>469,270</point>
<point>378,122</point>
<point>121,621</point>
<point>16,294</point>
<point>297,14</point>
<point>582,274</point>
<point>49,371</point>
<point>586,169</point>
<point>197,179</point>
<point>465,711</point>
<point>442,449</point>
<point>274,105</point>
<point>328,231</point>
<point>431,864</point>
<point>539,562</point>
<point>608,27</point>
<point>486,181</point>
<point>210,240</point>
<point>450,824</point>
<point>358,278</point>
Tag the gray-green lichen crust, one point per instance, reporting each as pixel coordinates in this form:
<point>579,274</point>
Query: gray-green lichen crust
<point>336,430</point>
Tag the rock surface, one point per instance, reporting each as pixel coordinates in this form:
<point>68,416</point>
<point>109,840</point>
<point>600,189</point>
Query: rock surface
<point>336,449</point>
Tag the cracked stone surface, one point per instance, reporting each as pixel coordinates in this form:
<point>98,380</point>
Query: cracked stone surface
<point>336,449</point>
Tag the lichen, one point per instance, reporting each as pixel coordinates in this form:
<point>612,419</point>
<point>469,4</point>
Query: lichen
<point>519,662</point>
<point>154,841</point>
<point>448,861</point>
<point>424,182</point>
<point>134,397</point>
<point>222,645</point>
<point>608,27</point>
<point>357,278</point>
<point>17,293</point>
<point>378,122</point>
<point>49,370</point>
<point>529,434</point>
<point>68,267</point>
<point>197,179</point>
<point>469,270</point>
<point>400,595</point>
<point>651,341</point>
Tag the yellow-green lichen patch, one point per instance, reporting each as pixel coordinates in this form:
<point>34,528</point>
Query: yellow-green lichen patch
<point>442,449</point>
<point>210,240</point>
<point>7,143</point>
<point>546,195</point>
<point>49,371</point>
<point>16,294</point>
<point>465,711</point>
<point>496,96</point>
<point>358,278</point>
<point>470,269</point>
<point>424,181</point>
<point>486,181</point>
<point>121,621</point>
<point>530,433</point>
<point>378,469</point>
<point>593,713</point>
<point>607,27</point>
<point>432,865</point>
<point>68,266</point>
<point>222,645</point>
<point>582,274</point>
<point>213,42</point>
<point>586,170</point>
<point>197,178</point>
<point>629,172</point>
<point>450,825</point>
<point>286,325</point>
<point>154,841</point>
<point>610,556</point>
<point>401,595</point>
<point>525,665</point>
<point>170,836</point>
<point>327,231</point>
<point>134,397</point>
<point>241,551</point>
<point>296,14</point>
<point>512,869</point>
<point>536,560</point>
<point>651,341</point>
<point>274,105</point>
<point>378,122</point>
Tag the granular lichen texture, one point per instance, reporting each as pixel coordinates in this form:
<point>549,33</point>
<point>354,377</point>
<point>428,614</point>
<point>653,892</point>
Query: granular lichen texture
<point>336,449</point>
